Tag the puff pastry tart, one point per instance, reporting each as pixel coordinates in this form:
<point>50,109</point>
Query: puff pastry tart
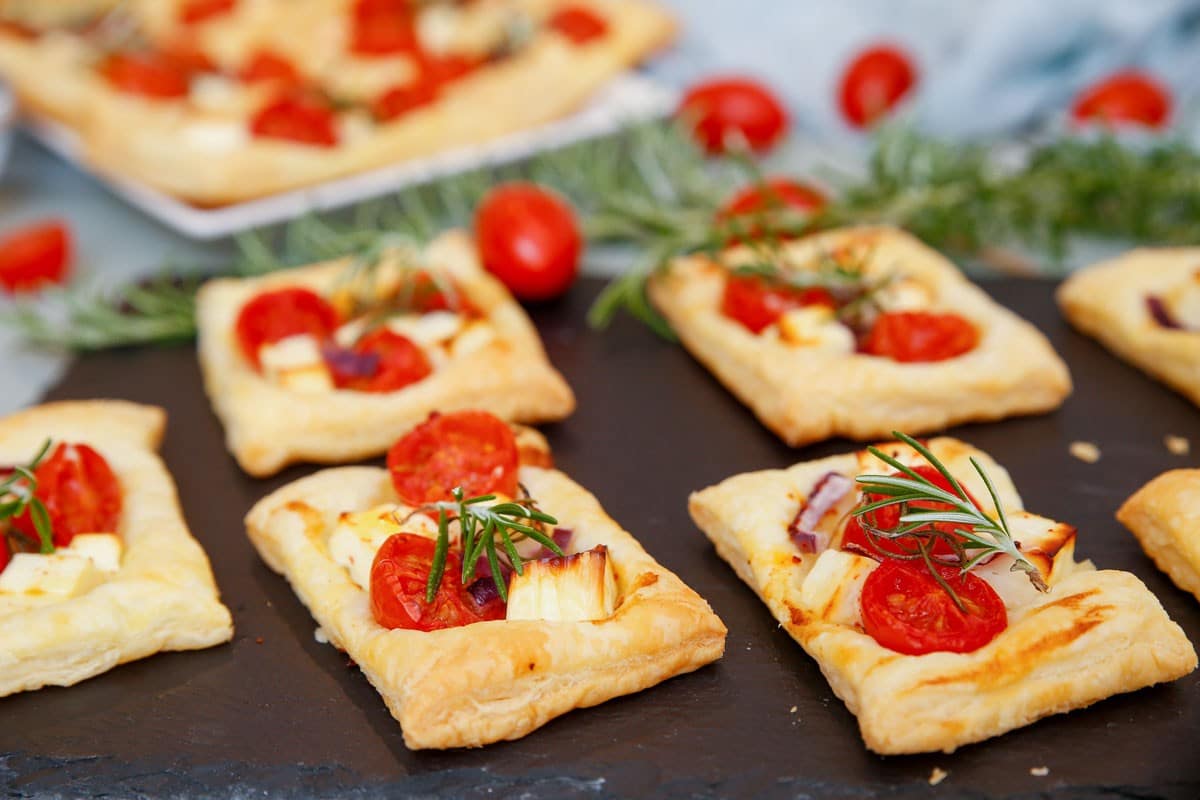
<point>1145,307</point>
<point>1164,515</point>
<point>96,564</point>
<point>481,591</point>
<point>857,332</point>
<point>939,610</point>
<point>219,101</point>
<point>330,363</point>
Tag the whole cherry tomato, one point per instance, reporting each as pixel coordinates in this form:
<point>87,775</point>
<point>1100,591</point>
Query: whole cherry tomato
<point>580,25</point>
<point>80,492</point>
<point>1126,97</point>
<point>855,539</point>
<point>399,575</point>
<point>146,74</point>
<point>267,66</point>
<point>35,255</point>
<point>529,239</point>
<point>776,193</point>
<point>195,11</point>
<point>383,27</point>
<point>400,362</point>
<point>724,108</point>
<point>911,336</point>
<point>471,449</point>
<point>906,610</point>
<point>874,82</point>
<point>297,118</point>
<point>278,314</point>
<point>756,302</point>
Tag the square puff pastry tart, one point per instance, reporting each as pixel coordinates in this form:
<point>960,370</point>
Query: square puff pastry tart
<point>1094,634</point>
<point>495,364</point>
<point>489,681</point>
<point>809,389</point>
<point>1164,515</point>
<point>159,596</point>
<point>1123,303</point>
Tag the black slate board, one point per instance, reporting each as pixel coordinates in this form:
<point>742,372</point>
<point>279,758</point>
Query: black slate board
<point>275,713</point>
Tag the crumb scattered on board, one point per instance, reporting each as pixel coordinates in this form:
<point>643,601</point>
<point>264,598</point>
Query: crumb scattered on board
<point>1039,772</point>
<point>1086,452</point>
<point>792,710</point>
<point>937,776</point>
<point>1177,445</point>
<point>259,640</point>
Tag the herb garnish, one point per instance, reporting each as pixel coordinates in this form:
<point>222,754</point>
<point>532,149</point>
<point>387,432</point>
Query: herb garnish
<point>17,496</point>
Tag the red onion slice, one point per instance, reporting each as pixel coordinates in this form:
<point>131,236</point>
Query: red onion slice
<point>346,363</point>
<point>483,590</point>
<point>1161,314</point>
<point>830,489</point>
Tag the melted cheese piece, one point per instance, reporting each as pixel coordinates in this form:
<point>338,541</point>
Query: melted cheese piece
<point>296,363</point>
<point>215,137</point>
<point>574,588</point>
<point>815,326</point>
<point>431,328</point>
<point>834,586</point>
<point>102,549</point>
<point>1183,301</point>
<point>358,536</point>
<point>368,78</point>
<point>904,294</point>
<point>53,576</point>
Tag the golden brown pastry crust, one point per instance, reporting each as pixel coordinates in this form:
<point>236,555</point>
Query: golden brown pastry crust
<point>469,686</point>
<point>1095,634</point>
<point>808,394</point>
<point>268,426</point>
<point>162,598</point>
<point>1164,515</point>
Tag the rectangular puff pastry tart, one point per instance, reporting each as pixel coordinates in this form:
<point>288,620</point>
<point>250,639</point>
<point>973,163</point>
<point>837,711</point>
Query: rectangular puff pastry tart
<point>1145,307</point>
<point>399,567</point>
<point>96,564</point>
<point>220,101</point>
<point>860,557</point>
<point>1164,515</point>
<point>857,332</point>
<point>331,362</point>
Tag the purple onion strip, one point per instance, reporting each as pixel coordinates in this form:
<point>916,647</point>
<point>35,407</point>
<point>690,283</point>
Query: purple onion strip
<point>830,489</point>
<point>349,363</point>
<point>1161,314</point>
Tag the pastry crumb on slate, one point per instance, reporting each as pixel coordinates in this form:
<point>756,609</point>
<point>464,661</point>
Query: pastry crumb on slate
<point>1087,452</point>
<point>1039,772</point>
<point>1177,445</point>
<point>937,776</point>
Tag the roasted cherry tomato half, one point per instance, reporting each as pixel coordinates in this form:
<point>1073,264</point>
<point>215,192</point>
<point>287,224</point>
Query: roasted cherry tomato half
<point>855,539</point>
<point>580,25</point>
<point>906,610</point>
<point>146,74</point>
<point>471,449</point>
<point>1126,97</point>
<point>725,108</point>
<point>776,193</point>
<point>383,27</point>
<point>80,492</point>
<point>875,81</point>
<point>278,314</point>
<point>911,336</point>
<point>35,255</point>
<point>399,575</point>
<point>756,302</point>
<point>402,99</point>
<point>265,66</point>
<point>195,11</point>
<point>399,363</point>
<point>5,552</point>
<point>297,118</point>
<point>529,239</point>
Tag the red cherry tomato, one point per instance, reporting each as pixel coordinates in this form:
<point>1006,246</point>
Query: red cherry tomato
<point>441,70</point>
<point>906,610</point>
<point>723,107</point>
<point>471,449</point>
<point>35,255</point>
<point>146,74</point>
<point>756,303</point>
<point>399,575</point>
<point>185,55</point>
<point>776,193</point>
<point>402,99</point>
<point>281,313</point>
<point>911,336</point>
<point>266,66</point>
<point>874,82</point>
<point>383,27</point>
<point>400,363</point>
<point>529,239</point>
<point>855,539</point>
<point>195,11</point>
<point>80,492</point>
<point>5,553</point>
<point>580,25</point>
<point>1126,97</point>
<point>297,119</point>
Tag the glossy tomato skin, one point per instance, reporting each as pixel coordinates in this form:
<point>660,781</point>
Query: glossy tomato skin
<point>875,81</point>
<point>5,553</point>
<point>35,255</point>
<point>920,336</point>
<point>278,314</point>
<point>855,539</point>
<point>776,193</point>
<point>399,101</point>
<point>580,25</point>
<point>266,66</point>
<point>399,575</point>
<point>528,238</point>
<point>471,449</point>
<point>726,107</point>
<point>401,362</point>
<point>147,74</point>
<point>80,492</point>
<point>905,609</point>
<point>297,118</point>
<point>756,302</point>
<point>1126,97</point>
<point>383,27</point>
<point>196,11</point>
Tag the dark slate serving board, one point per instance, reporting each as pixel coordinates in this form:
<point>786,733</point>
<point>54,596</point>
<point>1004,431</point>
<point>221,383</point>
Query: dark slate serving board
<point>275,713</point>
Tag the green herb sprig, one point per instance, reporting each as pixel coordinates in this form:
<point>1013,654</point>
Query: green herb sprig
<point>17,495</point>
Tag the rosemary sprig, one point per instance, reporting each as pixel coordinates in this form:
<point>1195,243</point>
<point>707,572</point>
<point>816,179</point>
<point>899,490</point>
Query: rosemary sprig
<point>972,535</point>
<point>17,496</point>
<point>482,528</point>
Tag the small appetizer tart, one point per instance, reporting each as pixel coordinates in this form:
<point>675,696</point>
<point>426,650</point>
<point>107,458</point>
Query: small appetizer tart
<point>1164,515</point>
<point>939,610</point>
<point>399,567</point>
<point>331,362</point>
<point>96,564</point>
<point>857,332</point>
<point>1144,306</point>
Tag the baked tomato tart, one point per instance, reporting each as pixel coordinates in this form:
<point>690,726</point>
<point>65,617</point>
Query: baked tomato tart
<point>331,362</point>
<point>96,564</point>
<point>1164,515</point>
<point>941,612</point>
<point>481,591</point>
<point>856,332</point>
